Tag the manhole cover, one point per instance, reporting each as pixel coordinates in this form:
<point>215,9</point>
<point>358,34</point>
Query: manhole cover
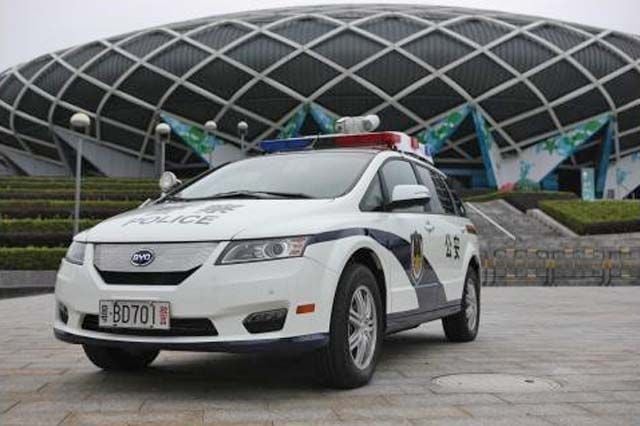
<point>495,382</point>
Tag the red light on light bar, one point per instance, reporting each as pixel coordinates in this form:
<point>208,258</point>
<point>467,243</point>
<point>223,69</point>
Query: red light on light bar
<point>387,139</point>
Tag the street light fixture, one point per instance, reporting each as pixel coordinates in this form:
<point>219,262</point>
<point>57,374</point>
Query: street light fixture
<point>210,127</point>
<point>79,122</point>
<point>163,132</point>
<point>243,128</point>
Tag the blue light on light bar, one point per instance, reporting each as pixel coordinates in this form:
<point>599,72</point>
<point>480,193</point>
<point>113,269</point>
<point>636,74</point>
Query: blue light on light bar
<point>281,145</point>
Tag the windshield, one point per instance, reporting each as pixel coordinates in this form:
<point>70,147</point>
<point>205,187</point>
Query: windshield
<point>311,175</point>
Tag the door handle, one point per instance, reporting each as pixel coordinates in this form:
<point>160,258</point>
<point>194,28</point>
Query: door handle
<point>429,227</point>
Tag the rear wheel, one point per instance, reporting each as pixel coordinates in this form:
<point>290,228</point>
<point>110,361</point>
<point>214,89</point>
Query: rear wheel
<point>463,326</point>
<point>355,337</point>
<point>118,359</point>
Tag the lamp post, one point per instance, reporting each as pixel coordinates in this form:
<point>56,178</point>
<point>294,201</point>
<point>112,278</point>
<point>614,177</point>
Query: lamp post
<point>210,127</point>
<point>80,122</point>
<point>243,128</point>
<point>163,132</point>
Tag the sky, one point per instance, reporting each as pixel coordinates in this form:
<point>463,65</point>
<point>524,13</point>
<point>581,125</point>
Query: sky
<point>29,28</point>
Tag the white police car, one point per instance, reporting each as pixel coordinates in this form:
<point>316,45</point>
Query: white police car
<point>325,250</point>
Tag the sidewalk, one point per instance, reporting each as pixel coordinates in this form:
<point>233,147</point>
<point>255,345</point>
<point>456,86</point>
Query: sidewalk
<point>583,342</point>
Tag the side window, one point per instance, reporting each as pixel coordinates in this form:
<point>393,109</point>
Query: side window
<point>462,210</point>
<point>433,205</point>
<point>443,193</point>
<point>398,172</point>
<point>373,200</point>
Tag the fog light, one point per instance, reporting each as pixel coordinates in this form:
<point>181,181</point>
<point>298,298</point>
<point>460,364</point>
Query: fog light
<point>63,313</point>
<point>265,321</point>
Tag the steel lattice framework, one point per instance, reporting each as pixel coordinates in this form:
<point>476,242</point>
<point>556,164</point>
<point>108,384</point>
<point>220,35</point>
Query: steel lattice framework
<point>530,77</point>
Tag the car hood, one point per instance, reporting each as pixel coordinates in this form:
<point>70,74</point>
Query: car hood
<point>207,220</point>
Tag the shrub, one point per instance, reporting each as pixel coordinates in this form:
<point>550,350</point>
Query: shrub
<point>13,226</point>
<point>30,258</point>
<point>22,209</point>
<point>39,232</point>
<point>69,194</point>
<point>595,217</point>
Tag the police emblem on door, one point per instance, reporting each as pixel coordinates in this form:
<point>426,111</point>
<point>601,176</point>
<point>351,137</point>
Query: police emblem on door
<point>417,261</point>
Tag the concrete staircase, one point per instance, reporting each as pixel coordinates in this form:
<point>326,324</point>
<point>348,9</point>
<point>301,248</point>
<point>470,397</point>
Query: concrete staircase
<point>539,254</point>
<point>526,229</point>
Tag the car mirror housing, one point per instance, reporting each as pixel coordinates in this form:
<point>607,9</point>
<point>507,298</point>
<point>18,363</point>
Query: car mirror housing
<point>404,196</point>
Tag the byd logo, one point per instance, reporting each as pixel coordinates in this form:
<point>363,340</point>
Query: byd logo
<point>142,257</point>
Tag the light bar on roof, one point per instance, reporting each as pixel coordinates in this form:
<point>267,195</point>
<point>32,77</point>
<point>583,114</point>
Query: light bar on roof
<point>384,140</point>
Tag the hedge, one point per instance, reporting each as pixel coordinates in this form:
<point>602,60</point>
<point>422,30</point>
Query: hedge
<point>30,258</point>
<point>23,209</point>
<point>596,217</point>
<point>27,239</point>
<point>71,181</point>
<point>39,232</point>
<point>12,226</point>
<point>105,186</point>
<point>69,194</point>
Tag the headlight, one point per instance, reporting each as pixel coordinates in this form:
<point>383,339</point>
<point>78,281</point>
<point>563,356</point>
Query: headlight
<point>75,253</point>
<point>257,250</point>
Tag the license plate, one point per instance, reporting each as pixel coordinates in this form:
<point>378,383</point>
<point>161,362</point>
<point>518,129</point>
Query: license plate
<point>134,314</point>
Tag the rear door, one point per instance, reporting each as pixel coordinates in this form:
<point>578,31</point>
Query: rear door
<point>445,239</point>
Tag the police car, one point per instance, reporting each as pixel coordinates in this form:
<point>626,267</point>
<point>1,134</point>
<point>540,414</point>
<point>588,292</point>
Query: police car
<point>326,245</point>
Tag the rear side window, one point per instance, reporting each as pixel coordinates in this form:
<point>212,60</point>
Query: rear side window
<point>444,196</point>
<point>433,205</point>
<point>462,210</point>
<point>398,172</point>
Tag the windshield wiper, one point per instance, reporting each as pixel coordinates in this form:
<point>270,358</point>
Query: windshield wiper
<point>249,194</point>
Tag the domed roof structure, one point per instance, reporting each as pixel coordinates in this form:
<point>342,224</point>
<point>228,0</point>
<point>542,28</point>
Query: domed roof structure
<point>530,78</point>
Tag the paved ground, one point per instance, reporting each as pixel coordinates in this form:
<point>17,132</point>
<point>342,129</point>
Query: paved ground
<point>585,339</point>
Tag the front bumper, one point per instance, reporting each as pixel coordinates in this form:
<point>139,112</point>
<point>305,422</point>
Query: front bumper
<point>284,345</point>
<point>223,294</point>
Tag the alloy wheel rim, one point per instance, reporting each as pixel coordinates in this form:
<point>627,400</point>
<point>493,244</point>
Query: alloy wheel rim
<point>363,327</point>
<point>471,303</point>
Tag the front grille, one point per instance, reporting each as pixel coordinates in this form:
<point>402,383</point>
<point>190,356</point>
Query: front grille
<point>145,278</point>
<point>180,327</point>
<point>168,256</point>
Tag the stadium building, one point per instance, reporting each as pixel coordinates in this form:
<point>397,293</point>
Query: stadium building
<point>499,99</point>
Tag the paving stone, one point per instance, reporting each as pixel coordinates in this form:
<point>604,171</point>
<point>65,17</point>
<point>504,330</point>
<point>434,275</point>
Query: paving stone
<point>6,404</point>
<point>521,421</point>
<point>614,408</point>
<point>13,418</point>
<point>586,339</point>
<point>592,421</point>
<point>134,418</point>
<point>521,410</point>
<point>400,413</point>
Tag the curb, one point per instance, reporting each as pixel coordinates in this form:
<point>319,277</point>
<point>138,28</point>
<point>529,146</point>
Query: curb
<point>24,283</point>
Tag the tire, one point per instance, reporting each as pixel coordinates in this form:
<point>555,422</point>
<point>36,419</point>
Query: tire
<point>463,326</point>
<point>338,366</point>
<point>117,359</point>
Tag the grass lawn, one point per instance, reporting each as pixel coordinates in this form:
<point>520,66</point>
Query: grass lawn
<point>591,217</point>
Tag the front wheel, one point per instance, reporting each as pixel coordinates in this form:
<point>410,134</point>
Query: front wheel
<point>118,359</point>
<point>355,336</point>
<point>463,326</point>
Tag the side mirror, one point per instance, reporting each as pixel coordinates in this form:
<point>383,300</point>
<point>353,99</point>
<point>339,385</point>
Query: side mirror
<point>404,196</point>
<point>168,181</point>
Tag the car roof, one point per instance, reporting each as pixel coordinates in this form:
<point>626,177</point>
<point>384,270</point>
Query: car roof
<point>371,151</point>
